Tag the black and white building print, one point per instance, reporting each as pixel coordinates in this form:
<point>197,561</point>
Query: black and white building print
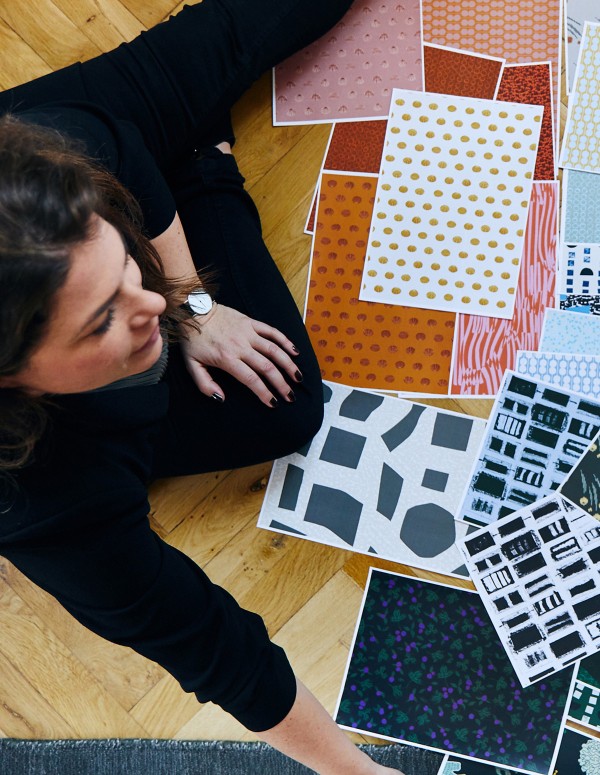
<point>383,476</point>
<point>535,435</point>
<point>538,573</point>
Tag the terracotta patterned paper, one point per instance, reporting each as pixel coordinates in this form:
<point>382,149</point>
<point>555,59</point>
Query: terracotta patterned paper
<point>527,31</point>
<point>362,344</point>
<point>451,203</point>
<point>532,84</point>
<point>350,72</point>
<point>450,71</point>
<point>354,146</point>
<point>486,347</point>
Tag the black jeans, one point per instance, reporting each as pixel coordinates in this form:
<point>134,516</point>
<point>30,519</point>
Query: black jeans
<point>176,83</point>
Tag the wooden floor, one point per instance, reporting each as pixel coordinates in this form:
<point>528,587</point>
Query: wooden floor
<point>57,680</point>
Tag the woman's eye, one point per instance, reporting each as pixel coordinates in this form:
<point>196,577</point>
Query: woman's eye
<point>106,324</point>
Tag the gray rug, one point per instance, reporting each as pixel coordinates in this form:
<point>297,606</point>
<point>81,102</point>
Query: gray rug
<point>175,757</point>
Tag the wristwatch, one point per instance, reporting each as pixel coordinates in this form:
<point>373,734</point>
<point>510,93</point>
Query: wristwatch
<point>198,303</point>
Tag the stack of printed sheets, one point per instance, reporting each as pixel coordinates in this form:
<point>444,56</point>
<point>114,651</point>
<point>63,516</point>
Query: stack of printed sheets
<point>438,269</point>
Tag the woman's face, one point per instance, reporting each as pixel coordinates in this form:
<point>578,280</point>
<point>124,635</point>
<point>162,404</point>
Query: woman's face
<point>104,325</point>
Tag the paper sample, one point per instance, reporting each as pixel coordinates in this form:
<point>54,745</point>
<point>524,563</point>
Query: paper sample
<point>383,476</point>
<point>581,214</point>
<point>463,73</point>
<point>569,371</point>
<point>582,485</point>
<point>581,140</point>
<point>533,34</point>
<point>579,278</point>
<point>426,667</point>
<point>565,332</point>
<point>484,348</point>
<point>532,84</point>
<point>577,13</point>
<point>579,754</point>
<point>538,574</point>
<point>536,433</point>
<point>350,72</point>
<point>585,702</point>
<point>451,204</point>
<point>373,346</point>
<point>454,765</point>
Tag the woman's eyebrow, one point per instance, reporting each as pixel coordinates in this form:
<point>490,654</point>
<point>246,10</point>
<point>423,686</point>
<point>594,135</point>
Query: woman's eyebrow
<point>108,303</point>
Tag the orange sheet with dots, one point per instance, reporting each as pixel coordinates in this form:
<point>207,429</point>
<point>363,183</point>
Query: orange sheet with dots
<point>360,343</point>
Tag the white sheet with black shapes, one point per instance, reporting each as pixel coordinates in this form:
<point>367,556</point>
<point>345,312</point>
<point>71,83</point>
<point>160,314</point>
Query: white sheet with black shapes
<point>538,573</point>
<point>383,476</point>
<point>536,433</point>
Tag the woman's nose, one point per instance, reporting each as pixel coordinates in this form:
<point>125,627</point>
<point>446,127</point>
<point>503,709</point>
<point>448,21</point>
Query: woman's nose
<point>146,305</point>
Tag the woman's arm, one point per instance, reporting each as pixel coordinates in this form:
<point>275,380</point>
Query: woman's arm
<point>256,354</point>
<point>309,735</point>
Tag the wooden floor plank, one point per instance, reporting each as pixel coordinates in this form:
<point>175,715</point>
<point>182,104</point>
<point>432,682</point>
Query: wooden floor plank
<point>57,41</point>
<point>125,675</point>
<point>106,23</point>
<point>19,62</point>
<point>59,677</point>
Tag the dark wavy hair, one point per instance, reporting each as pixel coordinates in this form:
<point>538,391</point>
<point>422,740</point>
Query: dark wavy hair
<point>49,192</point>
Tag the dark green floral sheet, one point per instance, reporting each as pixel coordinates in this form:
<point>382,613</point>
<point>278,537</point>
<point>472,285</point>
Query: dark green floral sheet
<point>427,667</point>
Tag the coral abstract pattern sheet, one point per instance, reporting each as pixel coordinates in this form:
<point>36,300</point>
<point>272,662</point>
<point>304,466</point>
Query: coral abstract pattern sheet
<point>451,204</point>
<point>426,667</point>
<point>538,574</point>
<point>383,477</point>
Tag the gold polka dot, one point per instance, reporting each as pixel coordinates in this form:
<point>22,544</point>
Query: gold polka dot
<point>483,302</point>
<point>486,112</point>
<point>424,280</point>
<point>392,202</point>
<point>463,254</point>
<point>412,248</point>
<point>399,101</point>
<point>422,235</point>
<point>401,262</point>
<point>442,165</point>
<point>451,224</point>
<point>393,246</point>
<point>416,219</point>
<point>451,108</point>
<point>476,286</point>
<point>442,282</point>
<point>458,123</point>
<point>382,260</point>
<point>417,104</point>
<point>427,206</point>
<point>378,288</point>
<point>395,291</point>
<point>396,173</point>
<point>503,114</point>
<point>470,270</point>
<point>372,273</point>
<point>493,243</point>
<point>503,230</point>
<point>430,295</point>
<point>448,296</point>
<point>403,189</point>
<point>431,178</point>
<point>430,134</point>
<point>488,273</point>
<point>445,252</point>
<point>493,288</point>
<point>405,233</point>
<point>465,299</point>
<point>389,158</point>
<point>402,145</point>
<point>423,119</point>
<point>376,243</point>
<point>501,304</point>
<point>505,275</point>
<point>462,210</point>
<point>485,228</point>
<point>499,260</point>
<point>389,275</point>
<point>386,187</point>
<point>460,167</point>
<point>475,125</point>
<point>409,203</point>
<point>499,142</point>
<point>398,217</point>
<point>425,163</point>
<point>413,293</point>
<point>405,278</point>
<point>453,152</point>
<point>487,155</point>
<point>412,132</point>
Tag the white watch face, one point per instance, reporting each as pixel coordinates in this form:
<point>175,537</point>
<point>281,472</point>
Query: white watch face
<point>200,302</point>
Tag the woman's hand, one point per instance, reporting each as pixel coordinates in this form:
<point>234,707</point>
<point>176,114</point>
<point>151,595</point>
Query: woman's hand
<point>256,354</point>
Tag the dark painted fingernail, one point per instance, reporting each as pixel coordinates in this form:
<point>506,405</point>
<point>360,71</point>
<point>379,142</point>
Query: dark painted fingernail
<point>295,349</point>
<point>291,396</point>
<point>274,402</point>
<point>298,376</point>
<point>218,397</point>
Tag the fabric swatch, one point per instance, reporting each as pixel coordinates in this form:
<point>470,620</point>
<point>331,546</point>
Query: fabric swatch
<point>493,27</point>
<point>578,754</point>
<point>579,278</point>
<point>376,346</point>
<point>451,204</point>
<point>581,214</point>
<point>426,667</point>
<point>532,84</point>
<point>536,433</point>
<point>581,141</point>
<point>350,72</point>
<point>577,13</point>
<point>383,476</point>
<point>485,347</point>
<point>576,373</point>
<point>463,73</point>
<point>538,574</point>
<point>564,332</point>
<point>582,485</point>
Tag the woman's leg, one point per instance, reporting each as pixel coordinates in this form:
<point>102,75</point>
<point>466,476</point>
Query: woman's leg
<point>223,230</point>
<point>181,77</point>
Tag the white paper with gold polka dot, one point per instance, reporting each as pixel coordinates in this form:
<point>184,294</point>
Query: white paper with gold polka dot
<point>451,203</point>
<point>581,142</point>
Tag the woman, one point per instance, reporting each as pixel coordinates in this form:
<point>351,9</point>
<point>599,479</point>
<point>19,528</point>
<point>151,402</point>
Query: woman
<point>116,366</point>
